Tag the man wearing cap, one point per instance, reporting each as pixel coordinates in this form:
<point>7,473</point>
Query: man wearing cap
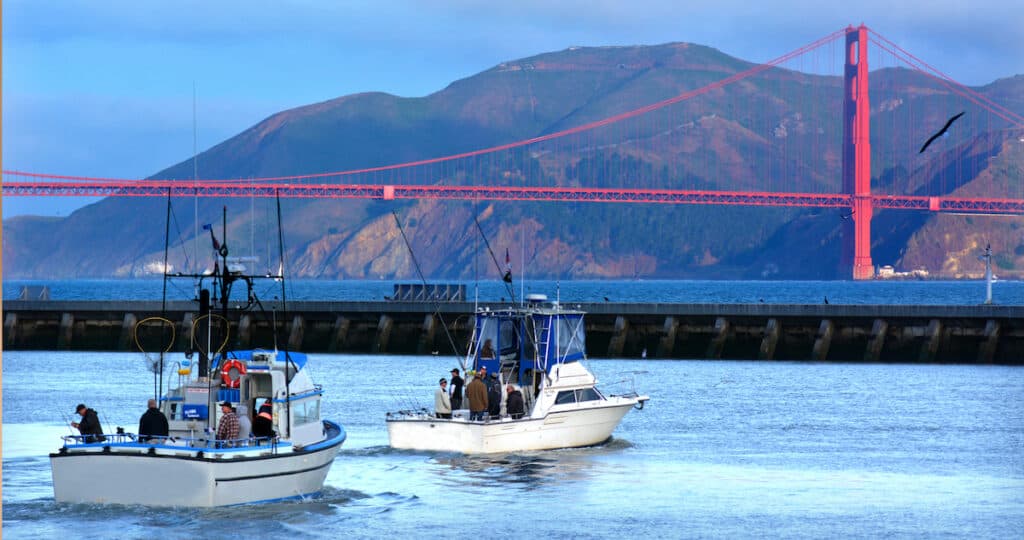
<point>476,392</point>
<point>456,390</point>
<point>89,427</point>
<point>442,403</point>
<point>227,429</point>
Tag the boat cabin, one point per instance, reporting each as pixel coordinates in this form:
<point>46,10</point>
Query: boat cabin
<point>524,343</point>
<point>249,379</point>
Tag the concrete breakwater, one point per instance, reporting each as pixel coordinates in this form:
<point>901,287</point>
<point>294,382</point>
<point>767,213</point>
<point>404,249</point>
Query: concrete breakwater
<point>842,333</point>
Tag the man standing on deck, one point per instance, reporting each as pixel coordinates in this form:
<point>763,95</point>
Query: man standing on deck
<point>456,389</point>
<point>263,424</point>
<point>89,427</point>
<point>442,403</point>
<point>153,423</point>
<point>244,426</point>
<point>514,404</point>
<point>476,392</point>
<point>494,396</point>
<point>227,429</point>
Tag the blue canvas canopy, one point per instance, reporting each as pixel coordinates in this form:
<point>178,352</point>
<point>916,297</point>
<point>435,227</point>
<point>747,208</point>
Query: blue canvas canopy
<point>521,341</point>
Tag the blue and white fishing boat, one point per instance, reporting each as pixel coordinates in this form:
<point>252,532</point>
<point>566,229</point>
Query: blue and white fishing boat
<point>539,349</point>
<point>190,466</point>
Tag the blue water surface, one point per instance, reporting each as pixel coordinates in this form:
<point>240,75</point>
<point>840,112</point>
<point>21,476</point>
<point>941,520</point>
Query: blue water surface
<point>722,450</point>
<point>663,291</point>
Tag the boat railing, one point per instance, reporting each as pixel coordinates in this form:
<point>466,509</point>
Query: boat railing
<point>200,443</point>
<point>625,387</point>
<point>405,413</point>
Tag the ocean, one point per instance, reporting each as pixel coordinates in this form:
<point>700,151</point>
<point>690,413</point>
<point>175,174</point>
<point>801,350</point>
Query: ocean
<point>723,449</point>
<point>664,291</point>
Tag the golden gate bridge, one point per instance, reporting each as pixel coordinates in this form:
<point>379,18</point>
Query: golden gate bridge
<point>496,172</point>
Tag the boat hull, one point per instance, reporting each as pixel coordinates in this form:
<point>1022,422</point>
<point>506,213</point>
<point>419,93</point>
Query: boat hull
<point>131,474</point>
<point>558,429</point>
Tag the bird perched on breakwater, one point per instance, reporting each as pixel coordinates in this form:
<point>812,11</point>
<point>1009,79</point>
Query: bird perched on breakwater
<point>941,132</point>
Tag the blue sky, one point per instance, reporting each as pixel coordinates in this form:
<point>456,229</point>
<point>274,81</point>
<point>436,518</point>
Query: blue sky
<point>105,88</point>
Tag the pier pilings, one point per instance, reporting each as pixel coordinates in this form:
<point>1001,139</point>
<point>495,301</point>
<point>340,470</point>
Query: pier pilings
<point>987,334</point>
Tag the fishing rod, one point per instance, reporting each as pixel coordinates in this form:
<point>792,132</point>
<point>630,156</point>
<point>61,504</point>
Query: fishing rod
<point>437,304</point>
<point>67,422</point>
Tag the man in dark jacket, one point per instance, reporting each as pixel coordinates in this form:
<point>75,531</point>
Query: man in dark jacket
<point>89,427</point>
<point>153,423</point>
<point>494,397</point>
<point>263,424</point>
<point>514,403</point>
<point>456,389</point>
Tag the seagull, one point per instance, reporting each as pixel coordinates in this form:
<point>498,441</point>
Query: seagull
<point>606,299</point>
<point>941,132</point>
<point>826,299</point>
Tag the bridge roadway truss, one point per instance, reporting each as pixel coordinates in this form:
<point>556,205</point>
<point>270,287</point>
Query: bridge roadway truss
<point>178,188</point>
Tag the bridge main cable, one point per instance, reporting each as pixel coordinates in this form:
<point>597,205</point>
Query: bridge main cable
<point>508,146</point>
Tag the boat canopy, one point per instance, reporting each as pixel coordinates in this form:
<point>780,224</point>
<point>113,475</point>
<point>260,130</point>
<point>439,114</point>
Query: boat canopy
<point>298,359</point>
<point>522,340</point>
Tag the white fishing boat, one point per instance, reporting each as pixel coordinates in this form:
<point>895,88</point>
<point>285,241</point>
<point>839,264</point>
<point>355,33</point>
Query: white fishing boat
<point>538,350</point>
<point>288,457</point>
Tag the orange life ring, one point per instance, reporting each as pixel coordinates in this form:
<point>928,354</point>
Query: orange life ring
<point>225,372</point>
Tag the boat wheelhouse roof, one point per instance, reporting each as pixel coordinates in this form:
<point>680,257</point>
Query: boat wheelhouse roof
<point>246,355</point>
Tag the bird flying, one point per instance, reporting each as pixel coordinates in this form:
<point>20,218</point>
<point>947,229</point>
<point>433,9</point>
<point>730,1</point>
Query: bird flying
<point>941,132</point>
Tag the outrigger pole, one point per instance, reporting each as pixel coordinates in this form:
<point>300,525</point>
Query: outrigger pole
<point>437,305</point>
<point>508,284</point>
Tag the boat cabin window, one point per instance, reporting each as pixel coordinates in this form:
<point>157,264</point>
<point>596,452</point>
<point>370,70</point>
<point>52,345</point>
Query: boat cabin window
<point>488,332</point>
<point>306,411</point>
<point>261,384</point>
<point>588,394</point>
<point>565,397</point>
<point>508,338</point>
<point>501,333</point>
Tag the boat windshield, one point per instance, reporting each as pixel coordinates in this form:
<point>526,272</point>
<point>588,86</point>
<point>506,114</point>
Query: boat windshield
<point>571,339</point>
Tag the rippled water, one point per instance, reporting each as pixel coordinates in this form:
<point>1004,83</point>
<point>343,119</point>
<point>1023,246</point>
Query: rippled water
<point>723,449</point>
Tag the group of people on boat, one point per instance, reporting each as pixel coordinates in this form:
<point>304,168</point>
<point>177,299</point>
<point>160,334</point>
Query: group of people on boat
<point>234,429</point>
<point>483,394</point>
<point>152,424</point>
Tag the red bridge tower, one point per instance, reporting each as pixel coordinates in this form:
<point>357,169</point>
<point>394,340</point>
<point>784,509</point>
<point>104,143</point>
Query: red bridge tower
<point>857,156</point>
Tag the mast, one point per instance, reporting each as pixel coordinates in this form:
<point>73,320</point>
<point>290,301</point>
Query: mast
<point>158,380</point>
<point>195,181</point>
<point>284,311</point>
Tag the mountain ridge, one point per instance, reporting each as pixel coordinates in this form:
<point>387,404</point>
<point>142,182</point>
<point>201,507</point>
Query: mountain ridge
<point>543,94</point>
